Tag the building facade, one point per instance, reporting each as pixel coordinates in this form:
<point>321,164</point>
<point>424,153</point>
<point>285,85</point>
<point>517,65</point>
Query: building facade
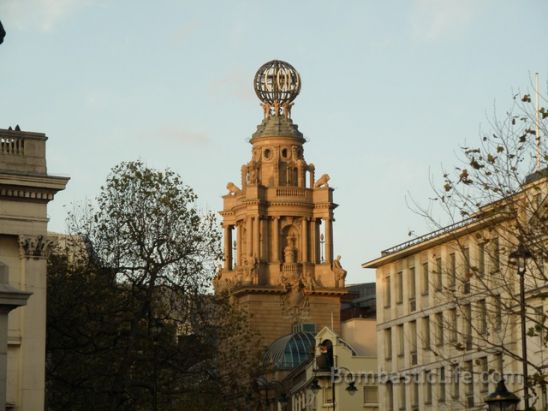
<point>448,308</point>
<point>25,190</point>
<point>279,263</point>
<point>353,386</point>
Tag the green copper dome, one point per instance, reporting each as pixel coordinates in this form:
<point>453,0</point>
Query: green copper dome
<point>290,351</point>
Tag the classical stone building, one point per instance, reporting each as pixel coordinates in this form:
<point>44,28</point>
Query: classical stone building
<point>279,263</point>
<point>448,308</point>
<point>25,190</point>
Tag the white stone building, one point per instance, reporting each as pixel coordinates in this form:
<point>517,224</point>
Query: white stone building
<point>25,190</point>
<point>448,309</point>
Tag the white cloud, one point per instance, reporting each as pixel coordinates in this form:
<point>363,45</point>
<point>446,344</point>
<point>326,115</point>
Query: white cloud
<point>179,135</point>
<point>435,19</point>
<point>42,15</point>
<point>234,84</point>
<point>184,32</point>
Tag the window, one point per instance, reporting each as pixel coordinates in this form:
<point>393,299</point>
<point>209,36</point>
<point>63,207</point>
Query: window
<point>482,310</point>
<point>328,394</point>
<point>453,325</point>
<point>412,282</point>
<point>498,362</point>
<point>428,387</point>
<point>484,374</point>
<point>541,325</point>
<point>370,395</point>
<point>441,396</point>
<point>388,344</point>
<point>439,327</point>
<point>401,343</point>
<point>439,283</point>
<point>456,389</point>
<point>402,395</point>
<point>426,332</point>
<point>390,396</point>
<point>413,332</point>
<point>387,291</point>
<point>425,278</point>
<point>412,290</point>
<point>495,255</point>
<point>415,396</point>
<point>467,274</point>
<point>452,270</point>
<point>469,384</point>
<point>468,326</point>
<point>498,313</point>
<point>399,288</point>
<point>481,259</point>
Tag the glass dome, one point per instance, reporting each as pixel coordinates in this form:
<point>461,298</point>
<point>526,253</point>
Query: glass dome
<point>290,351</point>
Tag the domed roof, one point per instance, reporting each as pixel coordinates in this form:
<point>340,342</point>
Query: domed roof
<point>290,351</point>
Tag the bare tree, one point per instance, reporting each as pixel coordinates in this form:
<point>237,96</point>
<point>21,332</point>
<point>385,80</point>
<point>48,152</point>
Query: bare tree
<point>495,199</point>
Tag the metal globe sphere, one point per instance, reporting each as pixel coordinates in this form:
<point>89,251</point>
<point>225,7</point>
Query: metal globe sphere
<point>277,81</point>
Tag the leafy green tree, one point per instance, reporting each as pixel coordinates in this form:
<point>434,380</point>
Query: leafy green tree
<point>131,323</point>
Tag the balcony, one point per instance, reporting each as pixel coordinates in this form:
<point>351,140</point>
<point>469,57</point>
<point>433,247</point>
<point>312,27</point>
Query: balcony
<point>22,152</point>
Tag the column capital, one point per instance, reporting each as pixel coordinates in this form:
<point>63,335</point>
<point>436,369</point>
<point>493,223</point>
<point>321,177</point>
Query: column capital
<point>34,246</point>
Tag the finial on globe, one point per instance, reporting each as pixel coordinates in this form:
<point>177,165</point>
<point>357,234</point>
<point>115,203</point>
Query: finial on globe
<point>277,84</point>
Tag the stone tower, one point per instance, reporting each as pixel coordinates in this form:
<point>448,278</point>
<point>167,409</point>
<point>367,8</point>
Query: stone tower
<point>278,227</point>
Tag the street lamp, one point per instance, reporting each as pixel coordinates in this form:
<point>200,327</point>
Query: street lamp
<point>501,399</point>
<point>315,386</point>
<point>351,387</point>
<point>519,258</point>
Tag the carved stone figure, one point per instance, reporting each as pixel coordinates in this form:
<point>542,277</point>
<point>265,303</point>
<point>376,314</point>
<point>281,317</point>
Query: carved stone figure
<point>287,109</point>
<point>233,188</point>
<point>340,273</point>
<point>289,251</point>
<point>266,109</point>
<point>322,181</point>
<point>309,280</point>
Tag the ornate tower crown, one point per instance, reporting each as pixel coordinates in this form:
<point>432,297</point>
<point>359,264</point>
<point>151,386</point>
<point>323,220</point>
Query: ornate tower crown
<point>278,235</point>
<point>277,84</point>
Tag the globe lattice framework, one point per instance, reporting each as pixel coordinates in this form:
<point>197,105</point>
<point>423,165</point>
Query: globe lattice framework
<point>277,83</point>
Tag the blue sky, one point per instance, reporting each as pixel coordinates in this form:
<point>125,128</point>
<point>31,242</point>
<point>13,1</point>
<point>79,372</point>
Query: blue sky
<point>391,90</point>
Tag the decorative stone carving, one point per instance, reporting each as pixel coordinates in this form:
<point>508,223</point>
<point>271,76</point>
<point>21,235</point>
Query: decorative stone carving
<point>233,189</point>
<point>340,273</point>
<point>34,246</point>
<point>294,301</point>
<point>322,181</point>
<point>252,173</point>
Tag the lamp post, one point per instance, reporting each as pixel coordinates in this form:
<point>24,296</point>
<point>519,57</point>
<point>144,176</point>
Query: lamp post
<point>519,259</point>
<point>501,399</point>
<point>351,387</point>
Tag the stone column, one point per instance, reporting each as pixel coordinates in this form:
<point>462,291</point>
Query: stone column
<point>228,247</point>
<point>314,254</point>
<point>300,174</point>
<point>311,169</point>
<point>264,238</point>
<point>304,242</point>
<point>256,244</point>
<point>328,240</point>
<point>244,177</point>
<point>276,239</point>
<point>239,243</point>
<point>249,240</point>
